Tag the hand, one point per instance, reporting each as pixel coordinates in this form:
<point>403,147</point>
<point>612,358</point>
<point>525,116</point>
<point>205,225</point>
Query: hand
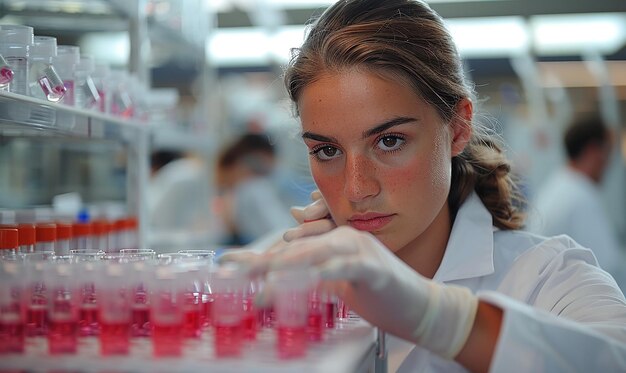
<point>314,219</point>
<point>384,290</point>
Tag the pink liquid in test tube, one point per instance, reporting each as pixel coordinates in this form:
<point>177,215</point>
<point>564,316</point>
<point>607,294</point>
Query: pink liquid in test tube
<point>228,340</point>
<point>292,342</point>
<point>62,336</point>
<point>331,314</point>
<point>36,320</point>
<point>192,327</point>
<point>207,304</point>
<point>140,324</point>
<point>315,326</point>
<point>6,75</point>
<point>11,334</point>
<point>167,339</point>
<point>114,338</point>
<point>249,319</point>
<point>88,320</point>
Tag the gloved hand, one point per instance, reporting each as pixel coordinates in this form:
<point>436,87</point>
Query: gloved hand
<point>384,290</point>
<point>314,219</point>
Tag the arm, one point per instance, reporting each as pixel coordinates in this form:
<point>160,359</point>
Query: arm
<point>479,349</point>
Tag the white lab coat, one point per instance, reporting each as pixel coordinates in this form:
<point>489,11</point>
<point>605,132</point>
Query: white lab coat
<point>562,313</point>
<point>570,203</point>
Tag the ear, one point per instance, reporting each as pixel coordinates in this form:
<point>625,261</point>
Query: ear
<point>461,126</point>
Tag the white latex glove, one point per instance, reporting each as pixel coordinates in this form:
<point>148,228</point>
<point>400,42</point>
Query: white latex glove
<point>314,219</point>
<point>384,290</point>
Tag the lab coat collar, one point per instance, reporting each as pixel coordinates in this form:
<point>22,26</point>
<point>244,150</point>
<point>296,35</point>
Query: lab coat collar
<point>469,252</point>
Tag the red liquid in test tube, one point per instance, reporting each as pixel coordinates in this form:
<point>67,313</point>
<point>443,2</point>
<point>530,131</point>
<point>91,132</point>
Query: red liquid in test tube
<point>62,336</point>
<point>206,306</point>
<point>6,75</point>
<point>331,314</point>
<point>228,340</point>
<point>249,319</point>
<point>36,320</point>
<point>88,320</point>
<point>11,334</point>
<point>140,324</point>
<point>192,327</point>
<point>114,338</point>
<point>315,326</point>
<point>292,342</point>
<point>167,339</point>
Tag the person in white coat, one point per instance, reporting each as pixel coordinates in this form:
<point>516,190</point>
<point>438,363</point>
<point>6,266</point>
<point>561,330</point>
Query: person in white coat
<point>416,226</point>
<point>570,202</point>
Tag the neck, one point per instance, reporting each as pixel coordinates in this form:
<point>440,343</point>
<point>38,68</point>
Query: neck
<point>425,253</point>
<point>587,169</point>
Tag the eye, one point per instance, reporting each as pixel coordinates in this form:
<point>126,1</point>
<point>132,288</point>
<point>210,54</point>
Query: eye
<point>390,143</point>
<point>325,152</point>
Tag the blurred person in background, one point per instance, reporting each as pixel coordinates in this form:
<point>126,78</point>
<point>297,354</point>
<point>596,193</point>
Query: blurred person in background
<point>570,202</point>
<point>250,199</point>
<point>178,192</point>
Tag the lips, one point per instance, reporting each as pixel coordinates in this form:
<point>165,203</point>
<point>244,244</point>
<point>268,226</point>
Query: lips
<point>370,222</point>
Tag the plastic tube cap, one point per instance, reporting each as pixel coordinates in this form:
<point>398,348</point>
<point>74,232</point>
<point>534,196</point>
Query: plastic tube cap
<point>81,229</point>
<point>98,227</point>
<point>86,64</point>
<point>46,232</point>
<point>26,234</point>
<point>64,231</point>
<point>16,34</point>
<point>44,47</point>
<point>8,238</point>
<point>68,56</point>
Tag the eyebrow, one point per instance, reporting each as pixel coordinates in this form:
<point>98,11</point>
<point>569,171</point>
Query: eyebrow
<point>373,131</point>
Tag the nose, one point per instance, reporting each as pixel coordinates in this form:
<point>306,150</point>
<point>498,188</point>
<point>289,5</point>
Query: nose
<point>360,180</point>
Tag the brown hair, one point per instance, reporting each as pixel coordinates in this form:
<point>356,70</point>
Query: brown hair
<point>406,40</point>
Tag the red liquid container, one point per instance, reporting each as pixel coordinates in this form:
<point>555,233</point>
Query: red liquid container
<point>331,314</point>
<point>315,326</point>
<point>62,336</point>
<point>11,334</point>
<point>292,342</point>
<point>140,325</point>
<point>36,320</point>
<point>88,320</point>
<point>167,339</point>
<point>192,327</point>
<point>114,338</point>
<point>228,340</point>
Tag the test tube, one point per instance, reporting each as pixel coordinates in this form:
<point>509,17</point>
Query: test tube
<point>64,238</point>
<point>63,308</point>
<point>315,321</point>
<point>36,299</point>
<point>26,236</point>
<point>166,311</point>
<point>82,236</point>
<point>85,267</point>
<point>6,74</point>
<point>114,303</point>
<point>228,284</point>
<point>68,56</point>
<point>193,284</point>
<point>8,244</point>
<point>290,290</point>
<point>44,81</point>
<point>140,300</point>
<point>46,236</point>
<point>85,94</point>
<point>12,313</point>
<point>15,44</point>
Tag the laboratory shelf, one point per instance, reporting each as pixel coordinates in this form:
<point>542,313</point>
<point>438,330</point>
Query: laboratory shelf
<point>349,347</point>
<point>28,116</point>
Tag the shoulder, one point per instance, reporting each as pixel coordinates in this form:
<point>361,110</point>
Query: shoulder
<point>528,249</point>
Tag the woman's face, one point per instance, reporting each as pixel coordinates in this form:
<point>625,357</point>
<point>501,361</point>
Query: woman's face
<point>380,155</point>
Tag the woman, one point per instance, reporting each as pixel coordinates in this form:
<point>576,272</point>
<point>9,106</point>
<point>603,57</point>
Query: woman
<point>426,210</point>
